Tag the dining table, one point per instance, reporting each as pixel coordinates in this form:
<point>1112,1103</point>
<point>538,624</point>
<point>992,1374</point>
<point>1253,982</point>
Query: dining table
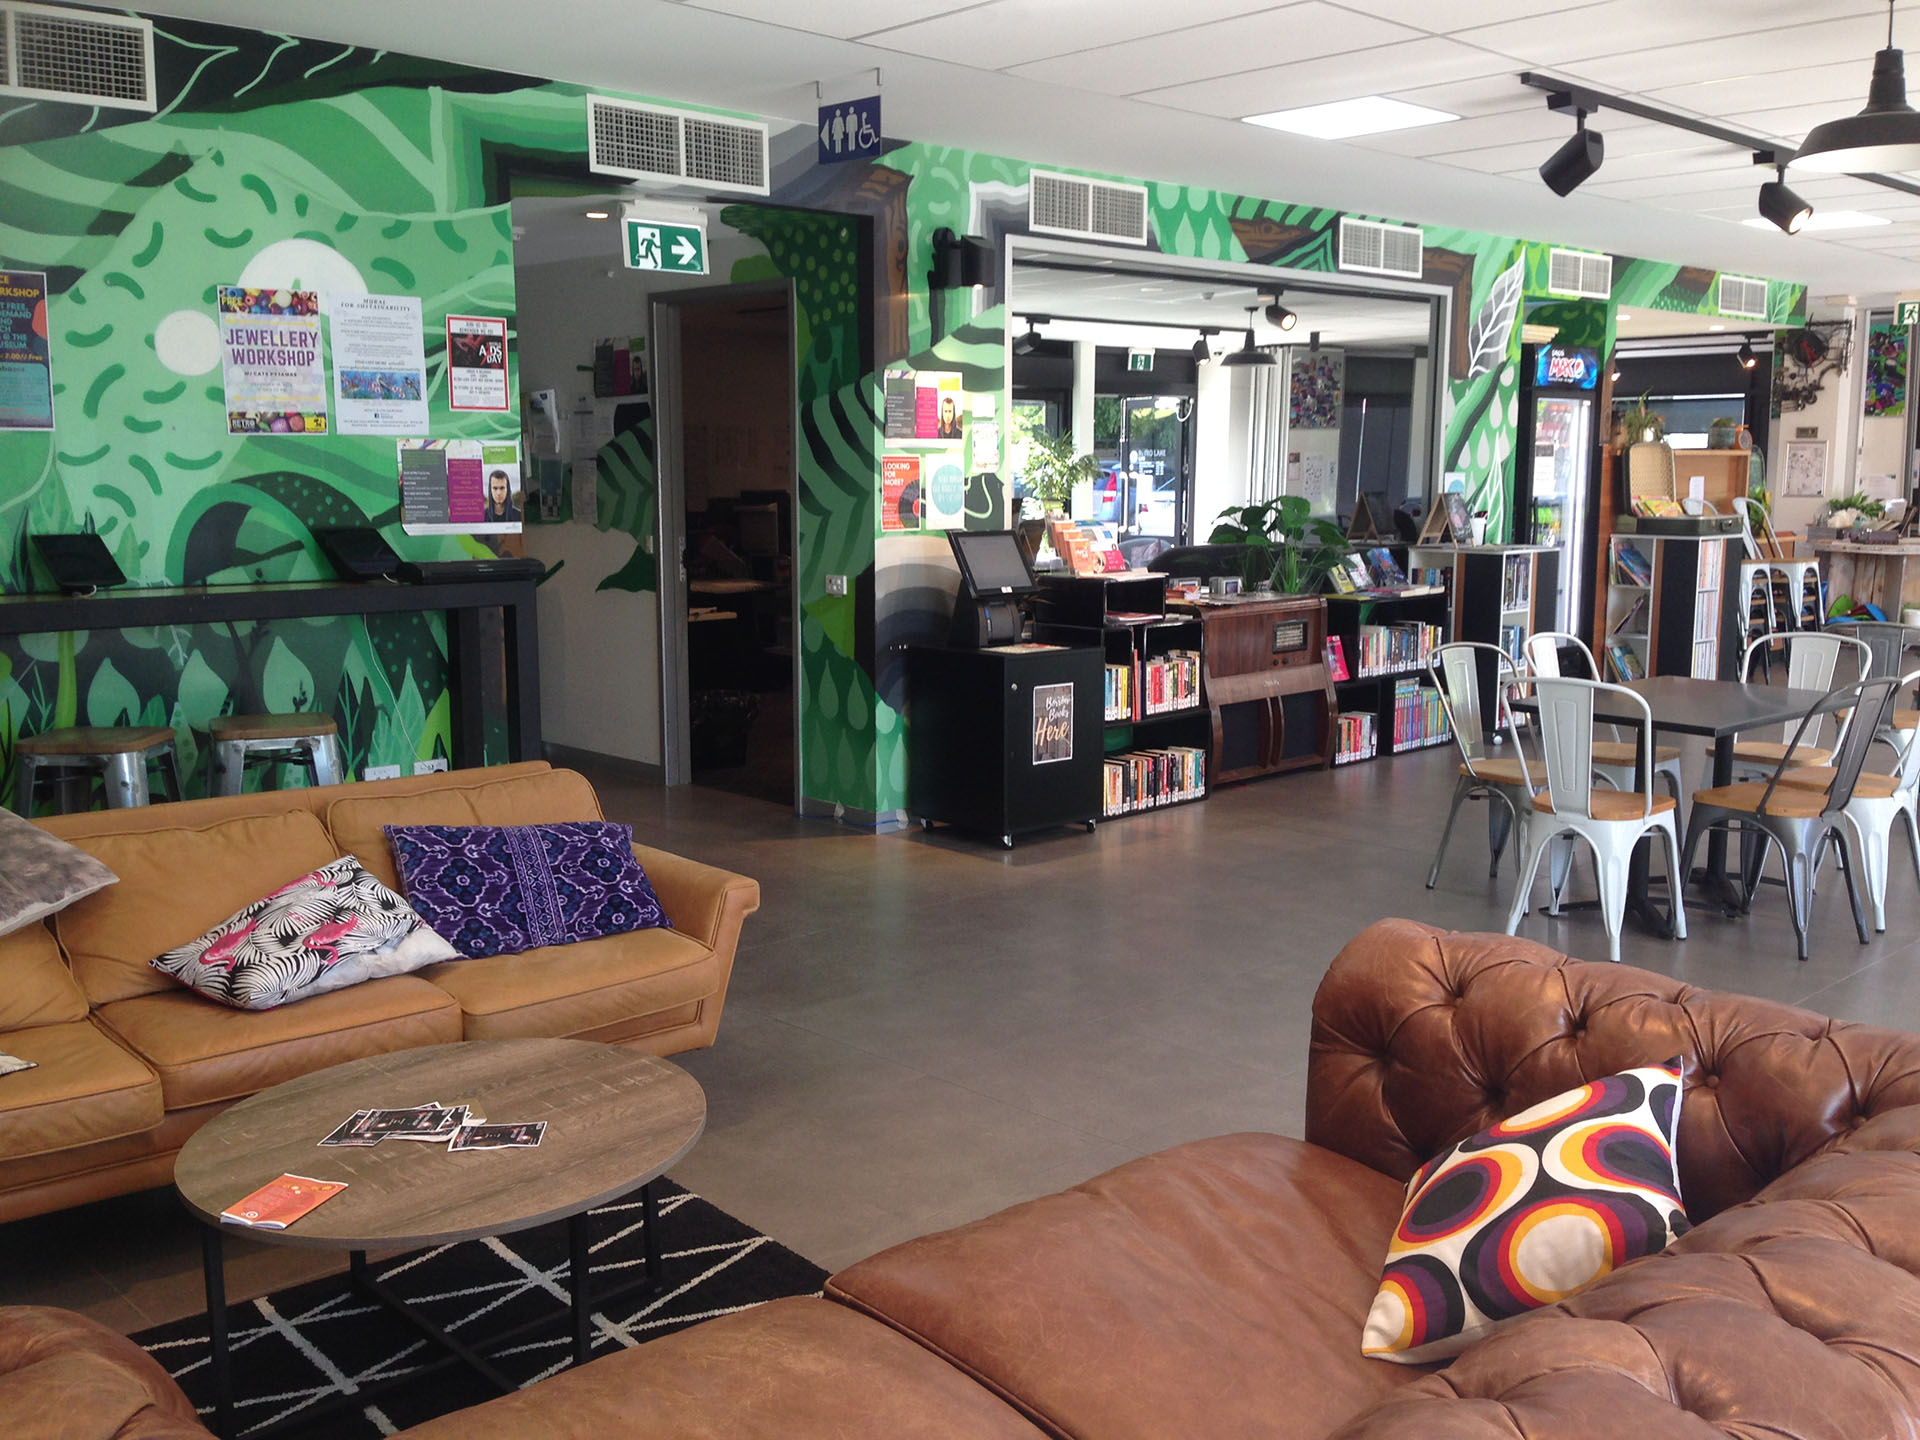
<point>1719,711</point>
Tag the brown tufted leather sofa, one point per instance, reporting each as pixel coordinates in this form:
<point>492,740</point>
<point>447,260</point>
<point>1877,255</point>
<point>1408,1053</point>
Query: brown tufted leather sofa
<point>1218,1288</point>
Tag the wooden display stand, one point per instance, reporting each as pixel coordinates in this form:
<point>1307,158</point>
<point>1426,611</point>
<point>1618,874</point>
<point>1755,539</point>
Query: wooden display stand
<point>1267,689</point>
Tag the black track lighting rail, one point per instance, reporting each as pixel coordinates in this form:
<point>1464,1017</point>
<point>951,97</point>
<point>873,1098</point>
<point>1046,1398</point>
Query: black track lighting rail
<point>1566,95</point>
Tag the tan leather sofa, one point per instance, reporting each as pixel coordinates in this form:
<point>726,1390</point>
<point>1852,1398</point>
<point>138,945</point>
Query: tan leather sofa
<point>1218,1288</point>
<point>130,1063</point>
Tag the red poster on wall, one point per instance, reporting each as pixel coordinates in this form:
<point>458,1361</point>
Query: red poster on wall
<point>477,363</point>
<point>900,492</point>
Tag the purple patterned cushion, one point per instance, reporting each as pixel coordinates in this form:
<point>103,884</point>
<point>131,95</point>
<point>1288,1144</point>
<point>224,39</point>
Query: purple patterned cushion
<point>501,889</point>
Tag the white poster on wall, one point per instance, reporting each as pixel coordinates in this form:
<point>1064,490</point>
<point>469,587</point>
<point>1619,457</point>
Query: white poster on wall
<point>379,365</point>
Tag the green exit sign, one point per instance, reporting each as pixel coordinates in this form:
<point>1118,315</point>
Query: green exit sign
<point>1908,313</point>
<point>666,245</point>
<point>1139,359</point>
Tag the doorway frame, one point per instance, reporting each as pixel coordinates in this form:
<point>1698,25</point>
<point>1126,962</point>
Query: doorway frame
<point>664,343</point>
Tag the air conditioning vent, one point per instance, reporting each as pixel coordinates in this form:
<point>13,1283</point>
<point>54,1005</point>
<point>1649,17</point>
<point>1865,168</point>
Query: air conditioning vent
<point>1375,249</point>
<point>679,147</point>
<point>79,56</point>
<point>1742,297</point>
<point>1086,209</point>
<point>1579,273</point>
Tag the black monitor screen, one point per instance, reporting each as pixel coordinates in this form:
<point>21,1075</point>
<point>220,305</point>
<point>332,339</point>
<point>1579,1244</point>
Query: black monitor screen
<point>79,563</point>
<point>991,562</point>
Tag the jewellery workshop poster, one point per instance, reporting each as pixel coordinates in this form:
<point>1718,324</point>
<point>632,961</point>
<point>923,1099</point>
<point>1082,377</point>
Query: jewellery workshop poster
<point>270,357</point>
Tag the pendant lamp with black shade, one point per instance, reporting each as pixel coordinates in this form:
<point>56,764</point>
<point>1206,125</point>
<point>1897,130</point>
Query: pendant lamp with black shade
<point>1248,353</point>
<point>1883,137</point>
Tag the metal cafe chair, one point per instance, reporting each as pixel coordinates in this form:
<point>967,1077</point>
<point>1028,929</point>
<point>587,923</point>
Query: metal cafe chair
<point>1455,672</point>
<point>1610,822</point>
<point>1800,822</point>
<point>1613,760</point>
<point>1812,657</point>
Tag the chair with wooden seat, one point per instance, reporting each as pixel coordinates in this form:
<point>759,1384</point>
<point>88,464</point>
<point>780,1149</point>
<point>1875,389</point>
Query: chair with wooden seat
<point>119,754</point>
<point>1800,822</point>
<point>1609,822</point>
<point>1812,658</point>
<point>1613,759</point>
<point>305,738</point>
<point>1455,672</point>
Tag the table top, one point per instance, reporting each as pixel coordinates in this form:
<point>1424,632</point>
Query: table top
<point>1714,708</point>
<point>616,1118</point>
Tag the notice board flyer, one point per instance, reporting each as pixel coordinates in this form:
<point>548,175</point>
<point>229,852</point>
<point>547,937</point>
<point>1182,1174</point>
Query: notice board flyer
<point>379,365</point>
<point>899,492</point>
<point>270,357</point>
<point>460,487</point>
<point>477,363</point>
<point>26,358</point>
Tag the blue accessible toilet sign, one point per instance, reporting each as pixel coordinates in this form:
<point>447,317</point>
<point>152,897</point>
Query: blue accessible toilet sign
<point>850,130</point>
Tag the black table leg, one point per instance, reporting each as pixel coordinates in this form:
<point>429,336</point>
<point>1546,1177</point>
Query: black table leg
<point>1713,878</point>
<point>213,1266</point>
<point>650,1231</point>
<point>579,1278</point>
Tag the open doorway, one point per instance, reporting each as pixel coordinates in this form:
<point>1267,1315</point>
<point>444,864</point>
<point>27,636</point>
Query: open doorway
<point>724,411</point>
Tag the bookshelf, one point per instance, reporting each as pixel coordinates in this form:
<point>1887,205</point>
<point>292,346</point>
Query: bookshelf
<point>1497,595</point>
<point>1384,643</point>
<point>1155,728</point>
<point>1669,609</point>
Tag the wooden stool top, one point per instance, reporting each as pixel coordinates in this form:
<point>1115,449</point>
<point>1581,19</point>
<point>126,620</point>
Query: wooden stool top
<point>95,740</point>
<point>297,726</point>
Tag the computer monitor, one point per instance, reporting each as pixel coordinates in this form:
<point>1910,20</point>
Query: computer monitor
<point>80,564</point>
<point>992,563</point>
<point>358,552</point>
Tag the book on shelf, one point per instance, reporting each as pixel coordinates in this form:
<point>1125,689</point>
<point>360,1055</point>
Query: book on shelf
<point>1516,583</point>
<point>1631,566</point>
<point>1144,779</point>
<point>1418,716</point>
<point>1629,622</point>
<point>1343,583</point>
<point>1358,577</point>
<point>1355,736</point>
<point>1657,507</point>
<point>1383,569</point>
<point>1170,682</point>
<point>1337,659</point>
<point>1119,693</point>
<point>1513,640</point>
<point>1383,649</point>
<point>1626,661</point>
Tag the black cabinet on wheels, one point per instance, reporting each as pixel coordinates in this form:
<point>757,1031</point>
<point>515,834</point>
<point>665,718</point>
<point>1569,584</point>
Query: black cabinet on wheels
<point>1004,740</point>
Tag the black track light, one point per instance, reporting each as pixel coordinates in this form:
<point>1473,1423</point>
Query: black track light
<point>1746,357</point>
<point>1201,351</point>
<point>1028,343</point>
<point>1248,353</point>
<point>1782,206</point>
<point>1279,316</point>
<point>1574,163</point>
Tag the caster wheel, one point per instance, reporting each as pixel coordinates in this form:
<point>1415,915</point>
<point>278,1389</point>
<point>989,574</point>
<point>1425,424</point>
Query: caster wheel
<point>1006,842</point>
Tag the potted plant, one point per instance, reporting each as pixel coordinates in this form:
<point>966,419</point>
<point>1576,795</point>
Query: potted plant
<point>1845,512</point>
<point>1286,544</point>
<point>1641,424</point>
<point>1723,433</point>
<point>1053,470</point>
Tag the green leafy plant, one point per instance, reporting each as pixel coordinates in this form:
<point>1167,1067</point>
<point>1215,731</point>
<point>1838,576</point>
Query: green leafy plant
<point>1053,470</point>
<point>1641,423</point>
<point>1286,543</point>
<point>1859,508</point>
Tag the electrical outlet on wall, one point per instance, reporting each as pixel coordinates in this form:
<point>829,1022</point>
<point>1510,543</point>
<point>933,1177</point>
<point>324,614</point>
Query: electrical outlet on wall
<point>428,767</point>
<point>380,772</point>
<point>836,584</point>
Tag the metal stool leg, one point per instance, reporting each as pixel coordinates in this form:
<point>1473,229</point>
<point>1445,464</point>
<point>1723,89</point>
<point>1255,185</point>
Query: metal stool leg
<point>225,774</point>
<point>169,764</point>
<point>325,762</point>
<point>126,781</point>
<point>26,775</point>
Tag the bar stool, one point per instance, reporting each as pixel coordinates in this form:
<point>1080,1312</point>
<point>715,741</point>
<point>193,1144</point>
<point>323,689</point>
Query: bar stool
<point>119,754</point>
<point>305,737</point>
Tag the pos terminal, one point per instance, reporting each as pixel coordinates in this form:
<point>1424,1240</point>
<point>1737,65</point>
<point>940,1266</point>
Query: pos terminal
<point>994,578</point>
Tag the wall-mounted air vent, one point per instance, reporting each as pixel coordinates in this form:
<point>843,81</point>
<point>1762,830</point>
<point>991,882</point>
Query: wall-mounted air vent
<point>79,56</point>
<point>1742,297</point>
<point>1086,209</point>
<point>677,147</point>
<point>1579,273</point>
<point>1375,249</point>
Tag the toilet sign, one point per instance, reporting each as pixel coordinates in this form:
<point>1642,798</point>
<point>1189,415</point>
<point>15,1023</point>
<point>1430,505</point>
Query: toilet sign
<point>677,248</point>
<point>850,130</point>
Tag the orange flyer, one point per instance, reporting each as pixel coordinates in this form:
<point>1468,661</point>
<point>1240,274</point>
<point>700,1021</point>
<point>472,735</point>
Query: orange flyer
<point>279,1203</point>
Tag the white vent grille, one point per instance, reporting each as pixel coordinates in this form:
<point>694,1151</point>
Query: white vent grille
<point>1375,249</point>
<point>653,142</point>
<point>1579,273</point>
<point>78,56</point>
<point>1086,209</point>
<point>1743,297</point>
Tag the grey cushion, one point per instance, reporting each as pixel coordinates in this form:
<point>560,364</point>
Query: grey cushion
<point>41,873</point>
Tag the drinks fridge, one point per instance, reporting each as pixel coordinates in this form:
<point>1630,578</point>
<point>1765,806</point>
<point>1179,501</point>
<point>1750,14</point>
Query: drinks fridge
<point>1552,501</point>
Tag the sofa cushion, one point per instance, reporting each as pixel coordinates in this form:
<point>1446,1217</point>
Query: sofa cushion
<point>576,989</point>
<point>327,930</point>
<point>41,873</point>
<point>36,988</point>
<point>788,1370</point>
<point>176,883</point>
<point>1528,1212</point>
<point>205,1052</point>
<point>63,1374</point>
<point>357,823</point>
<point>1217,1288</point>
<point>83,1088</point>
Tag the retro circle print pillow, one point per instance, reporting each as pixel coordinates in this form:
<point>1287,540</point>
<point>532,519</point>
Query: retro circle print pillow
<point>1528,1212</point>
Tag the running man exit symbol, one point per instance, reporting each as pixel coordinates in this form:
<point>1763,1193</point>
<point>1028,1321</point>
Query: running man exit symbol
<point>661,245</point>
<point>850,130</point>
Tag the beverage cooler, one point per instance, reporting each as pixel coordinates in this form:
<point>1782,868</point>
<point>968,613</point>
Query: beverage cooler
<point>1553,503</point>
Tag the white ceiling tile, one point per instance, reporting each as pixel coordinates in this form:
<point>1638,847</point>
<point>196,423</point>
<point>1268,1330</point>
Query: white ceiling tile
<point>1443,17</point>
<point>1018,32</point>
<point>1754,89</point>
<point>841,19</point>
<point>1224,47</point>
<point>1539,125</point>
<point>1338,77</point>
<point>1825,42</point>
<point>1496,92</point>
<point>1634,27</point>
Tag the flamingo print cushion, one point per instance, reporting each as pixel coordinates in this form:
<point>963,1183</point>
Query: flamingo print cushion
<point>325,931</point>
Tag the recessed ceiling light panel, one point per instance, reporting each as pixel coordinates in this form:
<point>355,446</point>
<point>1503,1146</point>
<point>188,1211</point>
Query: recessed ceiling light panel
<point>1826,220</point>
<point>1346,119</point>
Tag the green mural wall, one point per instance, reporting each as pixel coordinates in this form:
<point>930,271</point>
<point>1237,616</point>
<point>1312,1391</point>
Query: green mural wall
<point>283,158</point>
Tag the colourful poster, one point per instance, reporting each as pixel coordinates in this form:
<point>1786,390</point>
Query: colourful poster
<point>938,407</point>
<point>902,409</point>
<point>1886,387</point>
<point>1314,398</point>
<point>460,487</point>
<point>943,494</point>
<point>1052,723</point>
<point>379,365</point>
<point>26,358</point>
<point>271,359</point>
<point>477,363</point>
<point>899,492</point>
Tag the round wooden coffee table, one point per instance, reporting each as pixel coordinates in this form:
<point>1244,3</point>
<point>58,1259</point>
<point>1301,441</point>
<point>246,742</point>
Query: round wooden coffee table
<point>616,1120</point>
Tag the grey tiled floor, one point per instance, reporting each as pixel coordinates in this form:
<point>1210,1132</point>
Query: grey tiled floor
<point>922,1029</point>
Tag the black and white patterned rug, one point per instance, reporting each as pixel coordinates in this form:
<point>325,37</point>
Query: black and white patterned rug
<point>303,1348</point>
